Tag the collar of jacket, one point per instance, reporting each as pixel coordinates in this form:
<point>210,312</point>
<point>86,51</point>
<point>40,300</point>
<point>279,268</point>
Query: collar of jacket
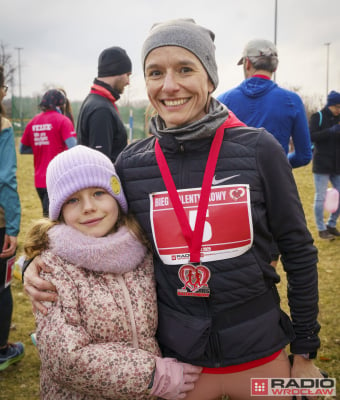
<point>114,92</point>
<point>201,129</point>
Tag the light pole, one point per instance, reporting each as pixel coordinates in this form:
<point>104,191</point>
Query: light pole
<point>20,93</point>
<point>327,67</point>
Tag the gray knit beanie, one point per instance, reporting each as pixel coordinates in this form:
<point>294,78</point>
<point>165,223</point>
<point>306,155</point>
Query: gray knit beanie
<point>187,34</point>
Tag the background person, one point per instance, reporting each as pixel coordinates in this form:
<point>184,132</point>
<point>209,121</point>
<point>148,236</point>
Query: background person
<point>10,214</point>
<point>46,135</point>
<point>324,128</point>
<point>217,301</point>
<point>99,124</point>
<point>66,109</point>
<point>260,102</point>
<point>98,341</point>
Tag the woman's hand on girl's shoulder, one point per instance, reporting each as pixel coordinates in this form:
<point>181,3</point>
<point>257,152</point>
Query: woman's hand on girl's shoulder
<point>37,288</point>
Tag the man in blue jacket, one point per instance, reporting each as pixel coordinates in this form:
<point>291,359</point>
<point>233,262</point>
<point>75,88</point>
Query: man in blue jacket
<point>260,102</point>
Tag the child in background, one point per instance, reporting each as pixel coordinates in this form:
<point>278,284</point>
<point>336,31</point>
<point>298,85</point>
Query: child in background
<point>98,339</point>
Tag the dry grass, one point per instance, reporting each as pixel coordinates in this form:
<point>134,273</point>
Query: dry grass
<point>21,381</point>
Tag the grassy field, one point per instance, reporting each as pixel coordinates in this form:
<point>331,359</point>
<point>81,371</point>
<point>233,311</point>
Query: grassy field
<point>21,381</point>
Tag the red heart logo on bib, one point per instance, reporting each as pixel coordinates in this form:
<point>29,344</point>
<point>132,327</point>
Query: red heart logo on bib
<point>236,194</point>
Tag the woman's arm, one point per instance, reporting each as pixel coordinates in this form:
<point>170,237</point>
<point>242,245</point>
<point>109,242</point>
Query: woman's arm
<point>37,288</point>
<point>298,253</point>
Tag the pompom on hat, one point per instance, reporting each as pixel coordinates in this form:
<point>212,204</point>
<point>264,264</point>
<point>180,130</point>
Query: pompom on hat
<point>79,168</point>
<point>333,98</point>
<point>187,34</point>
<point>113,61</point>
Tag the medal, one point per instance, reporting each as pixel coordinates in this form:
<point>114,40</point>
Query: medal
<point>194,278</point>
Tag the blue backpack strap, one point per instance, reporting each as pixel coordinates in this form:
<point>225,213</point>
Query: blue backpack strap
<point>320,122</point>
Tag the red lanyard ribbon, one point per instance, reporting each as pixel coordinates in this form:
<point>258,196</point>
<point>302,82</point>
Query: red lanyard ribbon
<point>194,237</point>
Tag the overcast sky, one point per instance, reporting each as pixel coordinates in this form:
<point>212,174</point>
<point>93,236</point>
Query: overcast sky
<point>61,40</point>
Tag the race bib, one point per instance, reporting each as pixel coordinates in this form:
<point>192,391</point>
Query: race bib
<point>228,230</point>
<point>7,273</point>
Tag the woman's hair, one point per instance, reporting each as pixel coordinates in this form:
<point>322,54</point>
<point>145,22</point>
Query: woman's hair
<point>149,113</point>
<point>37,237</point>
<point>66,109</point>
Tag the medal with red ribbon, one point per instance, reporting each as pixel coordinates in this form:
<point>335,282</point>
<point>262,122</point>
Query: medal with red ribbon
<point>194,275</point>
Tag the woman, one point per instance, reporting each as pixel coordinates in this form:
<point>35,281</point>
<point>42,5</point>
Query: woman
<point>206,190</point>
<point>66,109</point>
<point>46,135</point>
<point>10,213</point>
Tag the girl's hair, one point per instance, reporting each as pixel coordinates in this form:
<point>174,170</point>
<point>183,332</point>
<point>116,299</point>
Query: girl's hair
<point>37,238</point>
<point>132,224</point>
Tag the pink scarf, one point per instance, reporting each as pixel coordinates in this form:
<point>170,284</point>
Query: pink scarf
<point>118,252</point>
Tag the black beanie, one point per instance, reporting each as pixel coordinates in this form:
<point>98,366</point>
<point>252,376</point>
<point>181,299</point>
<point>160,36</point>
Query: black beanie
<point>113,61</point>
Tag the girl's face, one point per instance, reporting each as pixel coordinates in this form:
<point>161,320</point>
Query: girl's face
<point>92,211</point>
<point>177,84</point>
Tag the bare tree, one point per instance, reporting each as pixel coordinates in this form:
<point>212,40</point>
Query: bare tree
<point>6,59</point>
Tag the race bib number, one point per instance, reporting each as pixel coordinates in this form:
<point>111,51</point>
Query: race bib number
<point>228,230</point>
<point>7,273</point>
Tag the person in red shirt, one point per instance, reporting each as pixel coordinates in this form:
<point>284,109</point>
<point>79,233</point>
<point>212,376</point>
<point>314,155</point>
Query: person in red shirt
<point>46,135</point>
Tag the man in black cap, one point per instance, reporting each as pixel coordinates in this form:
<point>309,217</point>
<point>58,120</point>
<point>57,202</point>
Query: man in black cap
<point>99,124</point>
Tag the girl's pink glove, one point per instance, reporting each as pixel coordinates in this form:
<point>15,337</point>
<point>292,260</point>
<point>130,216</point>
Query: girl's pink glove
<point>173,379</point>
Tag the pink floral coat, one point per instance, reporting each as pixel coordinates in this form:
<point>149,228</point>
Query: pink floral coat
<point>98,340</point>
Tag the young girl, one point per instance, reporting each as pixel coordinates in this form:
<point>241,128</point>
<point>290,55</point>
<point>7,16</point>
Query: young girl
<point>98,339</point>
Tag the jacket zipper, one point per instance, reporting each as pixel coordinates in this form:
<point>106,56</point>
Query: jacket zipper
<point>130,310</point>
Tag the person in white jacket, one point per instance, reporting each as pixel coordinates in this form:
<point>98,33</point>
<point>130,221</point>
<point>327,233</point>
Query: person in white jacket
<point>98,339</point>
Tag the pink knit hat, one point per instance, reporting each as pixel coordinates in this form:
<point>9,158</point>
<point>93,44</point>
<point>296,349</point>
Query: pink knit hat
<point>79,168</point>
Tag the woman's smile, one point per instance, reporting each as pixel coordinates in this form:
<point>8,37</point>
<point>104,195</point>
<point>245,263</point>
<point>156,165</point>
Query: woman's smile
<point>175,102</point>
